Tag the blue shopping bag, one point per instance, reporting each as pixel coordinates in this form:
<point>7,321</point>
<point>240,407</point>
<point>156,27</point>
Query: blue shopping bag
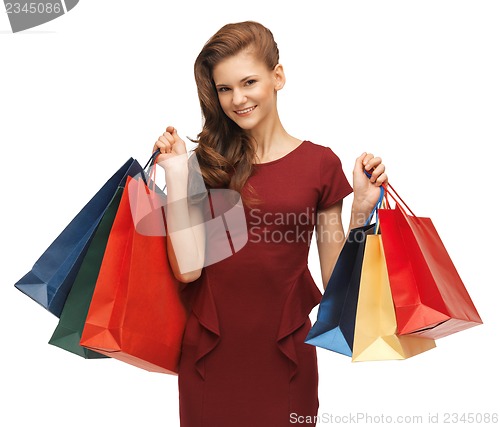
<point>51,277</point>
<point>336,320</point>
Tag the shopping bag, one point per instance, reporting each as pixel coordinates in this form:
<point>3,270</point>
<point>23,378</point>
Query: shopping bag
<point>51,277</point>
<point>429,296</point>
<point>336,319</point>
<point>69,330</point>
<point>136,314</point>
<point>375,335</point>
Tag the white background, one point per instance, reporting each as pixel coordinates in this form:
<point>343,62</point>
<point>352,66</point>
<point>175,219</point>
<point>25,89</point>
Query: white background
<point>414,82</point>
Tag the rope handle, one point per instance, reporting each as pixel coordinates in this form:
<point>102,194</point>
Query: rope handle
<point>395,196</point>
<point>383,202</point>
<point>150,171</point>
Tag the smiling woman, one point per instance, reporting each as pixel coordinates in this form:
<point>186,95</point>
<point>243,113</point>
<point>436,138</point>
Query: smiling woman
<point>251,100</point>
<point>244,360</point>
<point>238,75</point>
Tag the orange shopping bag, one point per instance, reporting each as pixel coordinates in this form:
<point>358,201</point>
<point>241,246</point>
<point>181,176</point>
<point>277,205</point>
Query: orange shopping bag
<point>137,313</point>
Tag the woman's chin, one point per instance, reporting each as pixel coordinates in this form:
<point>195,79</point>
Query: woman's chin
<point>245,124</point>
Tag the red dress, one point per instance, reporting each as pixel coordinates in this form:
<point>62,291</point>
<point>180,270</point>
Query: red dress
<point>244,361</point>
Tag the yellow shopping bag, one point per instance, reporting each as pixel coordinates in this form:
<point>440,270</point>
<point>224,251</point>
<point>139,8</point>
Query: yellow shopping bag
<point>375,335</point>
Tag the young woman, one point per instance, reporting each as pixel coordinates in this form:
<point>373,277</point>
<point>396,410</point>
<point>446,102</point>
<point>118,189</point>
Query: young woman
<point>244,361</point>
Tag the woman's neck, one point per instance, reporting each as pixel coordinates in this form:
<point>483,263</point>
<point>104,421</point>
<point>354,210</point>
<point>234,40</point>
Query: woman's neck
<point>273,142</point>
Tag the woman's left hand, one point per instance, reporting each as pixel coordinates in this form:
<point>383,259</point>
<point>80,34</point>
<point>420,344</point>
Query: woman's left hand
<point>367,190</point>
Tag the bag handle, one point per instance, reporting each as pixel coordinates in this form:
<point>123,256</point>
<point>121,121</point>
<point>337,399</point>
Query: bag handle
<point>152,159</point>
<point>150,170</point>
<point>395,196</point>
<point>381,202</point>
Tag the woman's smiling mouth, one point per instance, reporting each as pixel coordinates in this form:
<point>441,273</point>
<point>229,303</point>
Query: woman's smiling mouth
<point>246,111</point>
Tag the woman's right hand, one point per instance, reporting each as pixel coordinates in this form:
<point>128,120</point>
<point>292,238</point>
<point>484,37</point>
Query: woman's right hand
<point>170,145</point>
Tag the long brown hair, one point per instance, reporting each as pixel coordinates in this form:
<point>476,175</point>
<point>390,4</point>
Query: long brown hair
<point>225,152</point>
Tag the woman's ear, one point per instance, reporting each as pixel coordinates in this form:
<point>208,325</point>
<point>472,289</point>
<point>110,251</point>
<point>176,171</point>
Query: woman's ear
<point>279,77</point>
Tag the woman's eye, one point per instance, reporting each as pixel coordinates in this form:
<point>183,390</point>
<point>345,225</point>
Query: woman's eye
<point>223,89</point>
<point>250,82</point>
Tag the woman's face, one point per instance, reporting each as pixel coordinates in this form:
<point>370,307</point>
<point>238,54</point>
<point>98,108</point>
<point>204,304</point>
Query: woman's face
<point>247,89</point>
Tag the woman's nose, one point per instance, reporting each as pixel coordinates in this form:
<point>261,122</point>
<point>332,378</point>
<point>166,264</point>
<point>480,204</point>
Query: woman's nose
<point>239,98</point>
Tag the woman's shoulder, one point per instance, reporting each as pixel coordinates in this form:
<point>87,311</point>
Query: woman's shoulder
<point>321,152</point>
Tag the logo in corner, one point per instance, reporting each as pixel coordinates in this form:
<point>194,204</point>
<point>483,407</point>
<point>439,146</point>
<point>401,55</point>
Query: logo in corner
<point>24,14</point>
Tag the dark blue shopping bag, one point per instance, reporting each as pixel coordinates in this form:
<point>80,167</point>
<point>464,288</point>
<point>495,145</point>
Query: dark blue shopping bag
<point>51,277</point>
<point>334,327</point>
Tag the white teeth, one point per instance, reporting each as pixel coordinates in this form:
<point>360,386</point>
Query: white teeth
<point>245,111</point>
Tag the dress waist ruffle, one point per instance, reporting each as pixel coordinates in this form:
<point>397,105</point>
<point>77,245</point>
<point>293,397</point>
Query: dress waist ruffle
<point>302,297</point>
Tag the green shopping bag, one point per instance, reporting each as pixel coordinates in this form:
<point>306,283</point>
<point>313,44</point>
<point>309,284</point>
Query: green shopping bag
<point>68,332</point>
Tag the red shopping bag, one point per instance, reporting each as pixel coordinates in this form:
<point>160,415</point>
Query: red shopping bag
<point>137,313</point>
<point>429,296</point>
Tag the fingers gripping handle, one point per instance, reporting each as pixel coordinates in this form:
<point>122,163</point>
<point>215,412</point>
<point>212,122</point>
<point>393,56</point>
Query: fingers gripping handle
<point>377,206</point>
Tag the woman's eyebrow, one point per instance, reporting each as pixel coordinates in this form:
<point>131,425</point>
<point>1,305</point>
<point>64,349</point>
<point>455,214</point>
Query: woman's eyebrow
<point>241,81</point>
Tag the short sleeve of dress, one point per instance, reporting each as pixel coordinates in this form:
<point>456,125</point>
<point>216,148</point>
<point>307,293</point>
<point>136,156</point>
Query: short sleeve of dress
<point>333,182</point>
